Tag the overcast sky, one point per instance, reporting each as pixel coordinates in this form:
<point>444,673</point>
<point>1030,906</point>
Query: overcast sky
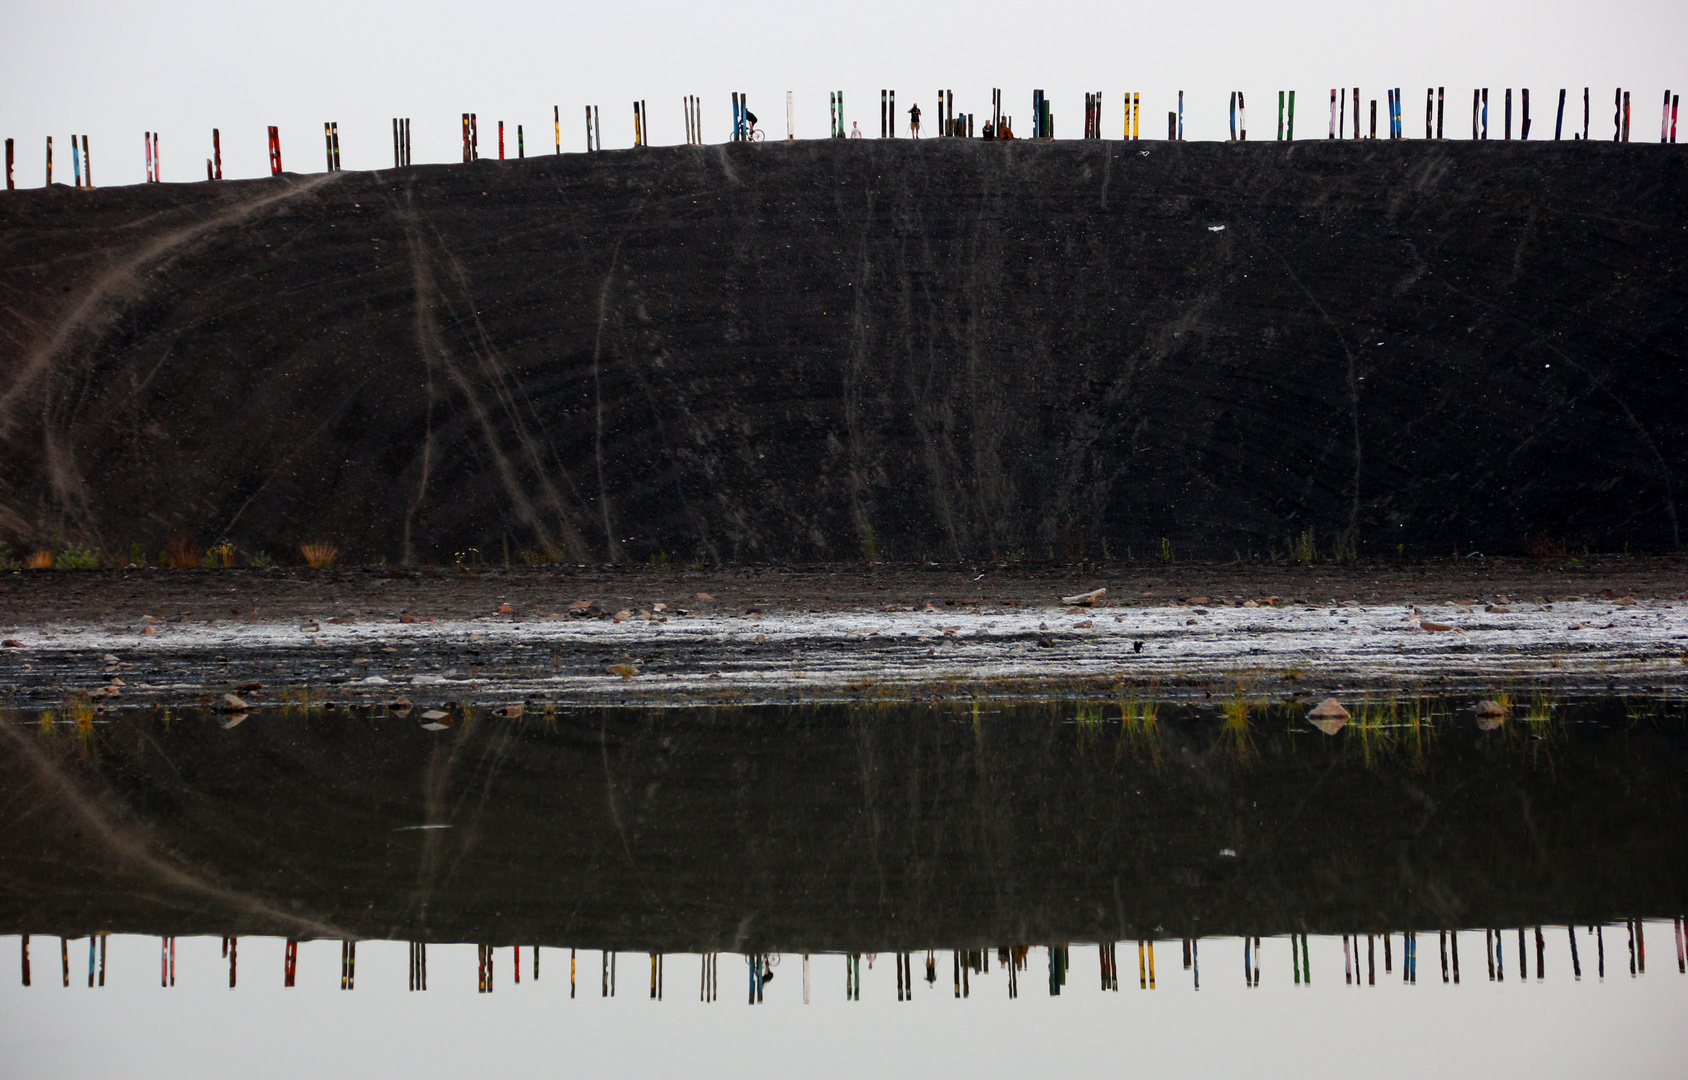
<point>113,70</point>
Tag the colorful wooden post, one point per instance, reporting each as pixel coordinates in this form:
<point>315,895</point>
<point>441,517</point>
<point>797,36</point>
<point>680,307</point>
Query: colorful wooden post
<point>474,137</point>
<point>1664,119</point>
<point>893,111</point>
<point>216,153</point>
<point>466,133</point>
<point>1439,90</point>
<point>1675,104</point>
<point>521,147</point>
<point>501,139</point>
<point>1332,134</point>
<point>1429,108</point>
<point>1626,116</point>
<point>146,141</point>
<point>1485,112</point>
<point>1280,116</point>
<point>275,150</point>
<point>328,144</point>
<point>557,125</point>
<point>1559,122</point>
<point>1585,114</point>
<point>50,161</point>
<point>1523,114</point>
<point>396,155</point>
<point>1506,123</point>
<point>1356,112</point>
<point>1374,118</point>
<point>1289,131</point>
<point>588,129</point>
<point>11,183</point>
<point>1242,118</point>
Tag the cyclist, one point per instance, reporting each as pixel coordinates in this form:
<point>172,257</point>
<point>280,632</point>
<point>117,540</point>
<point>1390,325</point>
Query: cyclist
<point>750,118</point>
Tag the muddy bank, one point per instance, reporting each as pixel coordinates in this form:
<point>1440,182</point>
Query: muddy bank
<point>841,349</point>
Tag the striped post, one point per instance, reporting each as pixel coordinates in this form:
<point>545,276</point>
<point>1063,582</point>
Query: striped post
<point>557,125</point>
<point>1374,118</point>
<point>1429,109</point>
<point>1439,90</point>
<point>474,137</point>
<point>11,158</point>
<point>501,140</point>
<point>588,129</point>
<point>466,135</point>
<point>1626,116</point>
<point>1280,116</point>
<point>893,114</point>
<point>521,147</point>
<point>336,136</point>
<point>1506,122</point>
<point>1675,104</point>
<point>396,157</point>
<point>1485,112</point>
<point>1332,134</point>
<point>49,161</point>
<point>1289,132</point>
<point>1181,113</point>
<point>275,150</point>
<point>1559,121</point>
<point>1524,114</point>
<point>1242,118</point>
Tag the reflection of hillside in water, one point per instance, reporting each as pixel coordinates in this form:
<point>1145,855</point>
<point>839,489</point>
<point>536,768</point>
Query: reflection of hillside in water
<point>849,829</point>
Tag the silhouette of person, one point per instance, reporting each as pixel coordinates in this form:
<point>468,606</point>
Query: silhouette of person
<point>914,120</point>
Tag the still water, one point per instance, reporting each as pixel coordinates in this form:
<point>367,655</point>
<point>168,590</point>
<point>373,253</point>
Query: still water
<point>932,890</point>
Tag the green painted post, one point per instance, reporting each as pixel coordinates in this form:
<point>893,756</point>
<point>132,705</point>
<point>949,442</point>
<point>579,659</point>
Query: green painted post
<point>1280,116</point>
<point>1291,130</point>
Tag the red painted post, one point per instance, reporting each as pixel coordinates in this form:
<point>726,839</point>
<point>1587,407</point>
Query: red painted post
<point>157,173</point>
<point>216,152</point>
<point>10,183</point>
<point>275,150</point>
<point>501,140</point>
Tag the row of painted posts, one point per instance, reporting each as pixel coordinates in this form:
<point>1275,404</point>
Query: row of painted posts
<point>1043,125</point>
<point>1359,969</point>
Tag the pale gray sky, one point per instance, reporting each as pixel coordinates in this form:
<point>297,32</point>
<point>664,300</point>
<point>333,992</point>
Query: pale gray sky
<point>113,70</point>
<point>1557,1027</point>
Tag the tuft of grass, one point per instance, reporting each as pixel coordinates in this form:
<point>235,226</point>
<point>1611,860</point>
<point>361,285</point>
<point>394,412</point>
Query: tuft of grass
<point>1165,550</point>
<point>39,560</point>
<point>1302,550</point>
<point>180,552</point>
<point>1236,734</point>
<point>545,555</point>
<point>319,556</point>
<point>262,560</point>
<point>137,557</point>
<point>77,558</point>
<point>1139,723</point>
<point>220,555</point>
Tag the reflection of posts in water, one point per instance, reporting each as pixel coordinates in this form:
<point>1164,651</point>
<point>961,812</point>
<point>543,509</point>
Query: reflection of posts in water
<point>1251,961</point>
<point>64,957</point>
<point>902,980</point>
<point>853,977</point>
<point>1388,960</point>
<point>1633,951</point>
<point>967,990</point>
<point>955,968</point>
<point>1681,957</point>
<point>349,963</point>
<point>1453,947</point>
<point>536,963</point>
<point>1600,949</point>
<point>516,963</point>
<point>606,985</point>
<point>706,978</point>
<point>1371,961</point>
<point>1442,944</point>
<point>102,957</point>
<point>231,949</point>
<point>656,976</point>
<point>1295,957</point>
<point>805,978</point>
<point>418,966</point>
<point>1523,957</point>
<point>1347,963</point>
<point>1576,964</point>
<point>1541,950</point>
<point>1057,969</point>
<point>1110,965</point>
<point>1409,957</point>
<point>1489,950</point>
<point>1640,945</point>
<point>1142,969</point>
<point>486,959</point>
<point>167,962</point>
<point>290,962</point>
<point>573,971</point>
<point>932,968</point>
<point>1151,965</point>
<point>25,959</point>
<point>1306,960</point>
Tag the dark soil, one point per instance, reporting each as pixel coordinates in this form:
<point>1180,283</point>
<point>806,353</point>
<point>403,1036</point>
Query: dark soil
<point>375,594</point>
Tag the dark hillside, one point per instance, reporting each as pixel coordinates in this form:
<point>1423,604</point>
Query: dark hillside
<point>827,349</point>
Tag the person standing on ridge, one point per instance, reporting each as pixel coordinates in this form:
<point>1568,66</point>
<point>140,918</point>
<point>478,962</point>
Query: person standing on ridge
<point>855,130</point>
<point>914,121</point>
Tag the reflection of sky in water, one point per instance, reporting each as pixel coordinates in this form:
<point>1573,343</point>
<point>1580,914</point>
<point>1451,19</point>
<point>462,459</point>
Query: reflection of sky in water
<point>1556,1026</point>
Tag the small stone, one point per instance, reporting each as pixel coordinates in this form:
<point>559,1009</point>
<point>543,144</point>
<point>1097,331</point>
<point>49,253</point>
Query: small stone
<point>704,596</point>
<point>14,643</point>
<point>1328,716</point>
<point>1085,625</point>
<point>505,609</point>
<point>1085,599</point>
<point>149,631</point>
<point>623,615</point>
<point>375,680</point>
<point>1434,627</point>
<point>626,671</point>
<point>1045,643</point>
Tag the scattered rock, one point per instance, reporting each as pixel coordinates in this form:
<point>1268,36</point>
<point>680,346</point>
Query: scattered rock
<point>14,643</point>
<point>149,631</point>
<point>505,609</point>
<point>1085,599</point>
<point>1045,643</point>
<point>626,671</point>
<point>1492,711</point>
<point>1085,625</point>
<point>310,627</point>
<point>622,616</point>
<point>1434,627</point>
<point>231,704</point>
<point>1328,716</point>
<point>375,680</point>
